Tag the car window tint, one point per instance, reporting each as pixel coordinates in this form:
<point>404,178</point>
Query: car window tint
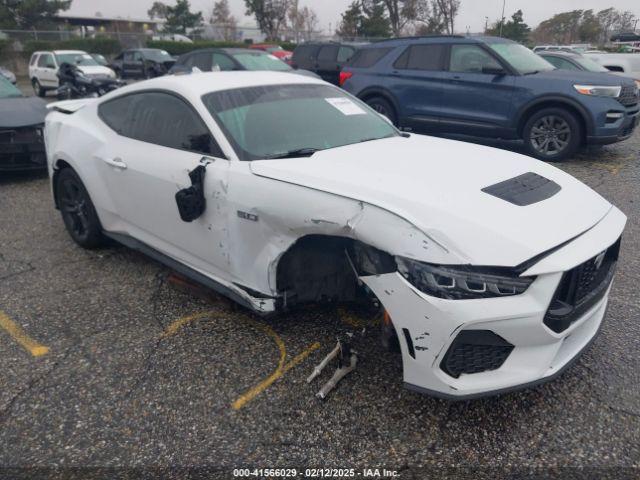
<point>161,119</point>
<point>566,65</point>
<point>368,57</point>
<point>422,57</point>
<point>137,57</point>
<point>470,59</point>
<point>345,54</point>
<point>224,62</point>
<point>328,54</point>
<point>305,51</point>
<point>33,60</point>
<point>128,57</point>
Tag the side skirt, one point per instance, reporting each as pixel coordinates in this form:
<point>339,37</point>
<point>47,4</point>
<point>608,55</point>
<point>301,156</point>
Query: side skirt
<point>194,275</point>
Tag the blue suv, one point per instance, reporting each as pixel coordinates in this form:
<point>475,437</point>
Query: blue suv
<point>492,87</point>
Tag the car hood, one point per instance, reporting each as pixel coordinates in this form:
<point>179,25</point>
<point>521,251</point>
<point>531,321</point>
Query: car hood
<point>437,185</point>
<point>588,78</point>
<point>95,70</point>
<point>22,112</point>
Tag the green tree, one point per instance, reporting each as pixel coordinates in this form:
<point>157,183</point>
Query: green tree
<point>29,14</point>
<point>271,15</point>
<point>515,29</point>
<point>180,18</point>
<point>590,28</point>
<point>351,23</point>
<point>375,23</point>
<point>157,10</point>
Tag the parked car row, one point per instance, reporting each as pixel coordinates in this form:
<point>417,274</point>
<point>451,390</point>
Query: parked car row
<point>492,87</point>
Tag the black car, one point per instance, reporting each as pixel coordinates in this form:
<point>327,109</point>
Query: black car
<point>142,63</point>
<point>227,59</point>
<point>324,59</point>
<point>21,122</point>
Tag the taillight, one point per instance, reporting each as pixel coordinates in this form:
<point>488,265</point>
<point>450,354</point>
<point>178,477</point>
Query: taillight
<point>344,76</point>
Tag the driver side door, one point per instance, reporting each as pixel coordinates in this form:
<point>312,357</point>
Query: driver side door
<point>476,102</point>
<point>155,139</point>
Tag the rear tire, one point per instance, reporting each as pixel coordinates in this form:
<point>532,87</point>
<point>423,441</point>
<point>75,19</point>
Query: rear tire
<point>78,213</point>
<point>384,108</point>
<point>552,135</point>
<point>37,88</point>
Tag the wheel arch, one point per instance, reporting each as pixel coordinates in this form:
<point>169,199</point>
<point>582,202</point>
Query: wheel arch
<point>583,116</point>
<point>372,92</point>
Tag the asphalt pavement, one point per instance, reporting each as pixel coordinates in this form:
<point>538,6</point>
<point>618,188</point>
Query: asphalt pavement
<point>107,362</point>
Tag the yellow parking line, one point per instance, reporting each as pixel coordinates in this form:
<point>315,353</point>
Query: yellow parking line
<point>19,335</point>
<point>281,370</point>
<point>181,322</point>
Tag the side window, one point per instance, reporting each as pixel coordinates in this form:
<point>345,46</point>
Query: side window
<point>224,62</point>
<point>561,63</point>
<point>471,59</point>
<point>161,119</point>
<point>128,57</point>
<point>345,54</point>
<point>34,59</point>
<point>115,113</point>
<point>368,57</point>
<point>422,57</point>
<point>328,53</point>
<point>46,61</point>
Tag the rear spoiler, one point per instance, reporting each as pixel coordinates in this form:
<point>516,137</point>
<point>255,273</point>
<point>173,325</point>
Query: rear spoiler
<point>69,106</point>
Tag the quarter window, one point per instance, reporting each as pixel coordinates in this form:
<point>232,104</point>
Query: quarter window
<point>160,119</point>
<point>368,57</point>
<point>422,57</point>
<point>471,59</point>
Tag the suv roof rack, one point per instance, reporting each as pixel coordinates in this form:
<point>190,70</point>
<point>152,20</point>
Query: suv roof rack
<point>419,37</point>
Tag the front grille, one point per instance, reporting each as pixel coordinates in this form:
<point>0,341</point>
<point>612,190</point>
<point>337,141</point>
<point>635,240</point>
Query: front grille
<point>629,96</point>
<point>581,288</point>
<point>475,351</point>
<point>22,148</point>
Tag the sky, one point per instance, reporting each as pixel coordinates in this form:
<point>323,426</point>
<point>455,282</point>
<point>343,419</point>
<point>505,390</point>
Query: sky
<point>472,16</point>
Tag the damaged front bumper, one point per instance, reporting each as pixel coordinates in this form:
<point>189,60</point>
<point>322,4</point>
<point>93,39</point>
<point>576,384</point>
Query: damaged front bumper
<point>463,349</point>
<point>22,149</point>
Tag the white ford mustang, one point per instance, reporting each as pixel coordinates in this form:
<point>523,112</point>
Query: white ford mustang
<point>278,190</point>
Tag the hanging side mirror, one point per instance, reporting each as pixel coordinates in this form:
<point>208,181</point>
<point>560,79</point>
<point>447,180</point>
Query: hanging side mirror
<point>191,201</point>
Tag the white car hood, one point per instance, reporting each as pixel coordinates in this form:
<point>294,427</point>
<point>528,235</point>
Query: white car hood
<point>95,70</point>
<point>437,185</point>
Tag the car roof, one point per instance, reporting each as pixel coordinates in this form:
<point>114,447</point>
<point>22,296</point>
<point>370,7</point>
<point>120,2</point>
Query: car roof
<point>230,51</point>
<point>62,52</point>
<point>395,42</point>
<point>198,84</point>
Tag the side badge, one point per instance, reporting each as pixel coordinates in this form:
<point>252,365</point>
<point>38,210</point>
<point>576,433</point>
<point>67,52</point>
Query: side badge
<point>248,216</point>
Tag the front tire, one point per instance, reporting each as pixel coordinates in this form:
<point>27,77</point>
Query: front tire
<point>552,135</point>
<point>78,213</point>
<point>384,108</point>
<point>37,88</point>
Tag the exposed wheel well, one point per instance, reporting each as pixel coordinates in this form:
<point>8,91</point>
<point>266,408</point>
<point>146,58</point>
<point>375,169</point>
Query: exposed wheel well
<point>322,269</point>
<point>377,93</point>
<point>59,165</point>
<point>552,104</point>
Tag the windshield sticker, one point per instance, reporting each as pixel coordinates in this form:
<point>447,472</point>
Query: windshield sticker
<point>346,106</point>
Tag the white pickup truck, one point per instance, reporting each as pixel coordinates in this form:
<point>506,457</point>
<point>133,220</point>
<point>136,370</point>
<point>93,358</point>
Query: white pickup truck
<point>621,63</point>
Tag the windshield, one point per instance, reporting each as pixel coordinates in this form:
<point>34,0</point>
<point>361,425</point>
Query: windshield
<point>267,122</point>
<point>521,58</point>
<point>81,59</point>
<point>259,61</point>
<point>7,90</point>
<point>273,49</point>
<point>157,55</point>
<point>590,65</point>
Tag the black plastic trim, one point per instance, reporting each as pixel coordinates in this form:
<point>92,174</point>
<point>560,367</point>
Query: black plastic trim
<point>524,190</point>
<point>188,272</point>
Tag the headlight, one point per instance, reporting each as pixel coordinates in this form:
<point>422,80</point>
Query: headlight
<point>462,282</point>
<point>599,91</point>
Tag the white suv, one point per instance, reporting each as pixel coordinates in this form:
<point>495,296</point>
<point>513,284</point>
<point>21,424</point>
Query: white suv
<point>43,68</point>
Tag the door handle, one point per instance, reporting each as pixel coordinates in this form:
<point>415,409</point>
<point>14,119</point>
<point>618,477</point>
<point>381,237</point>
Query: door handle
<point>115,162</point>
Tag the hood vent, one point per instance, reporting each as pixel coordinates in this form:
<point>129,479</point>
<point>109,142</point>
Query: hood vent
<point>524,190</point>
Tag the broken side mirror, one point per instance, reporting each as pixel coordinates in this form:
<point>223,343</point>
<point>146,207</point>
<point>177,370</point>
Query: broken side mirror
<point>191,201</point>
